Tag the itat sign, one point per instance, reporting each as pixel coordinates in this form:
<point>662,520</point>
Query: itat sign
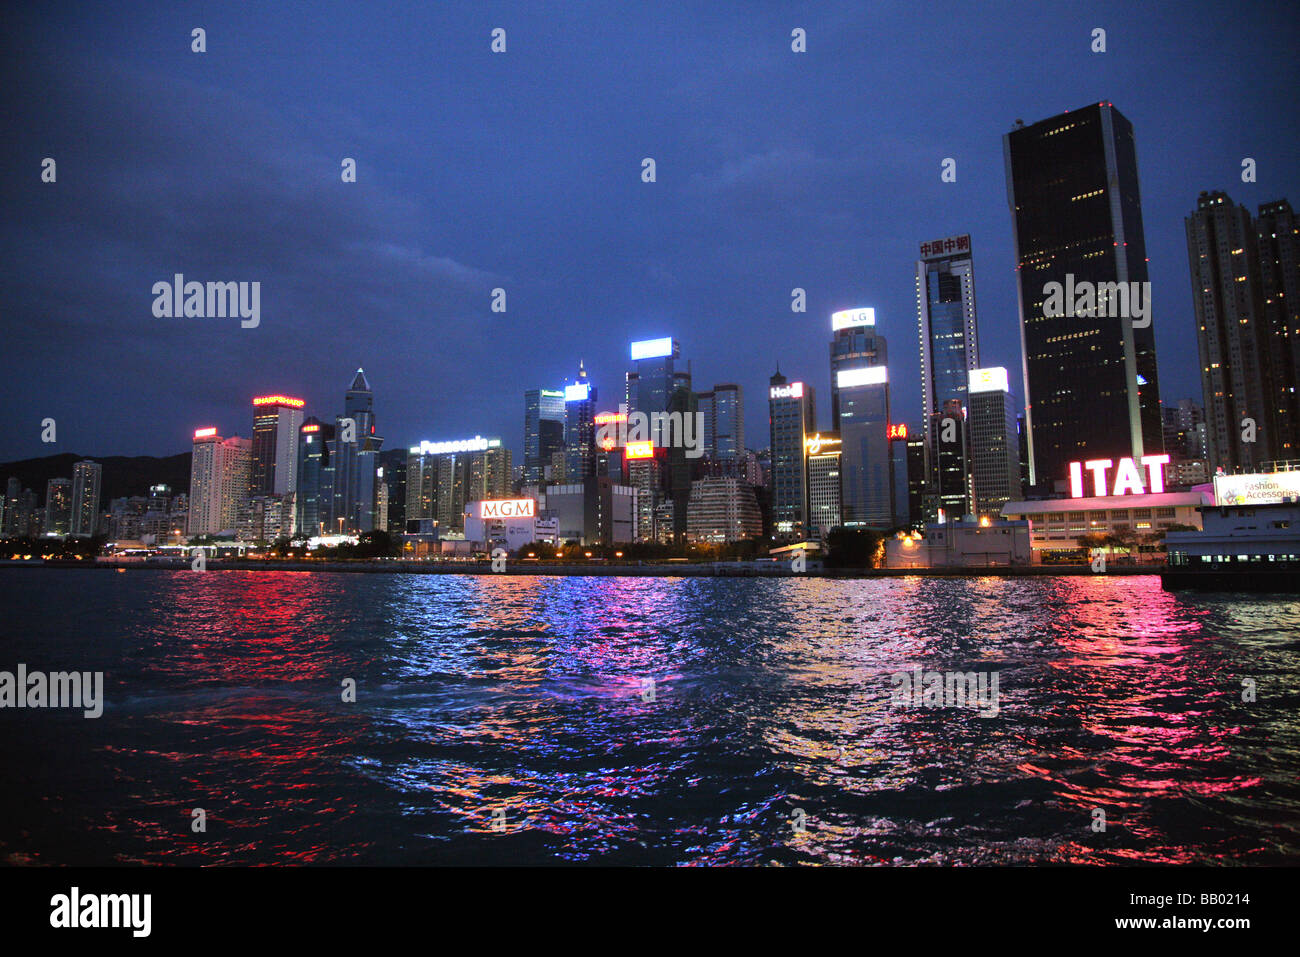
<point>1127,477</point>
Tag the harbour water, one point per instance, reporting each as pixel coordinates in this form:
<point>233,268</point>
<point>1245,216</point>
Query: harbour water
<point>670,721</point>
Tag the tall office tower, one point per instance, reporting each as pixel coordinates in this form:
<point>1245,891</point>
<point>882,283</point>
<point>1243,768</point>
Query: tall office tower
<point>1278,236</point>
<point>724,421</point>
<point>651,385</point>
<point>276,421</point>
<point>9,508</point>
<point>580,428</point>
<point>683,406</point>
<point>995,452</point>
<point>918,476</point>
<point>58,507</point>
<point>792,420</point>
<point>1231,335</point>
<point>315,499</point>
<point>945,296</point>
<point>1091,390</point>
<point>950,487</point>
<point>354,450</point>
<point>392,477</point>
<point>645,474</point>
<point>86,477</point>
<point>822,452</point>
<point>860,413</point>
<point>541,406</point>
<point>236,476</point>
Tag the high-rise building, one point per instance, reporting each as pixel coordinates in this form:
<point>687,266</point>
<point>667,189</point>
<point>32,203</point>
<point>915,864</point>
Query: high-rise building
<point>722,509</point>
<point>724,421</point>
<point>315,498</point>
<point>1232,338</point>
<point>860,413</point>
<point>543,430</point>
<point>651,384</point>
<point>1246,329</point>
<point>995,452</point>
<point>580,428</point>
<point>792,420</point>
<point>945,297</point>
<point>86,476</point>
<point>442,477</point>
<point>823,452</point>
<point>355,449</point>
<point>1091,390</point>
<point>276,420</point>
<point>950,488</point>
<point>1278,235</point>
<point>220,476</point>
<point>58,507</point>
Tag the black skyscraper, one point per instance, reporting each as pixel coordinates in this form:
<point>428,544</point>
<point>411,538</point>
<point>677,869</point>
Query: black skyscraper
<point>1090,381</point>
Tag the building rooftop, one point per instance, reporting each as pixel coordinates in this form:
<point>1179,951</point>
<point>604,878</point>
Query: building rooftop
<point>1156,500</point>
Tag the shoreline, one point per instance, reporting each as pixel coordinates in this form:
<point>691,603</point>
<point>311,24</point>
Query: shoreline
<point>699,570</point>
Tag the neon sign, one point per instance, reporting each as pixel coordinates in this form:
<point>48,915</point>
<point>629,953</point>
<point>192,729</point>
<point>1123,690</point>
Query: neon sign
<point>992,379</point>
<point>1128,477</point>
<point>311,428</point>
<point>848,318</point>
<point>868,375</point>
<point>578,392</point>
<point>792,391</point>
<point>204,433</point>
<point>607,417</point>
<point>279,400</point>
<point>640,450</point>
<point>898,431</point>
<point>476,444</point>
<point>818,442</point>
<point>507,508</point>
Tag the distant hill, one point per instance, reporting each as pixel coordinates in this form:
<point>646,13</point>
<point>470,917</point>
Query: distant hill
<point>123,475</point>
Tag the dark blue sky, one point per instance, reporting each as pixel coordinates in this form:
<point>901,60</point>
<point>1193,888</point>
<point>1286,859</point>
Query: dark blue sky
<point>522,170</point>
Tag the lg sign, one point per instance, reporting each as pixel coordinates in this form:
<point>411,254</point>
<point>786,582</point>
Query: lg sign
<point>508,508</point>
<point>1128,476</point>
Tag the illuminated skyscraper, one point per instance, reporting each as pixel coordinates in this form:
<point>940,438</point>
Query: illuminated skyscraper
<point>276,421</point>
<point>85,498</point>
<point>580,428</point>
<point>792,419</point>
<point>541,406</point>
<point>1091,390</point>
<point>995,450</point>
<point>354,452</point>
<point>58,507</point>
<point>860,413</point>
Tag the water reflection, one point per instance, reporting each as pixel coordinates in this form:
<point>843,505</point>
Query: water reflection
<point>671,721</point>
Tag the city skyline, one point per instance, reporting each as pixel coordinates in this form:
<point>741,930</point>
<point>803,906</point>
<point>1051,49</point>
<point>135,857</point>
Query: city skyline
<point>831,194</point>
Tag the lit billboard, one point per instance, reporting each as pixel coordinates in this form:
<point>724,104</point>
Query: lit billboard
<point>652,348</point>
<point>847,318</point>
<point>993,379</point>
<point>822,445</point>
<point>507,508</point>
<point>869,375</point>
<point>640,450</point>
<point>792,391</point>
<point>1268,488</point>
<point>898,431</point>
<point>577,393</point>
<point>476,444</point>
<point>205,433</point>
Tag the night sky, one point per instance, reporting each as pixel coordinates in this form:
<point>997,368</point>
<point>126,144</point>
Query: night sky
<point>523,170</point>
